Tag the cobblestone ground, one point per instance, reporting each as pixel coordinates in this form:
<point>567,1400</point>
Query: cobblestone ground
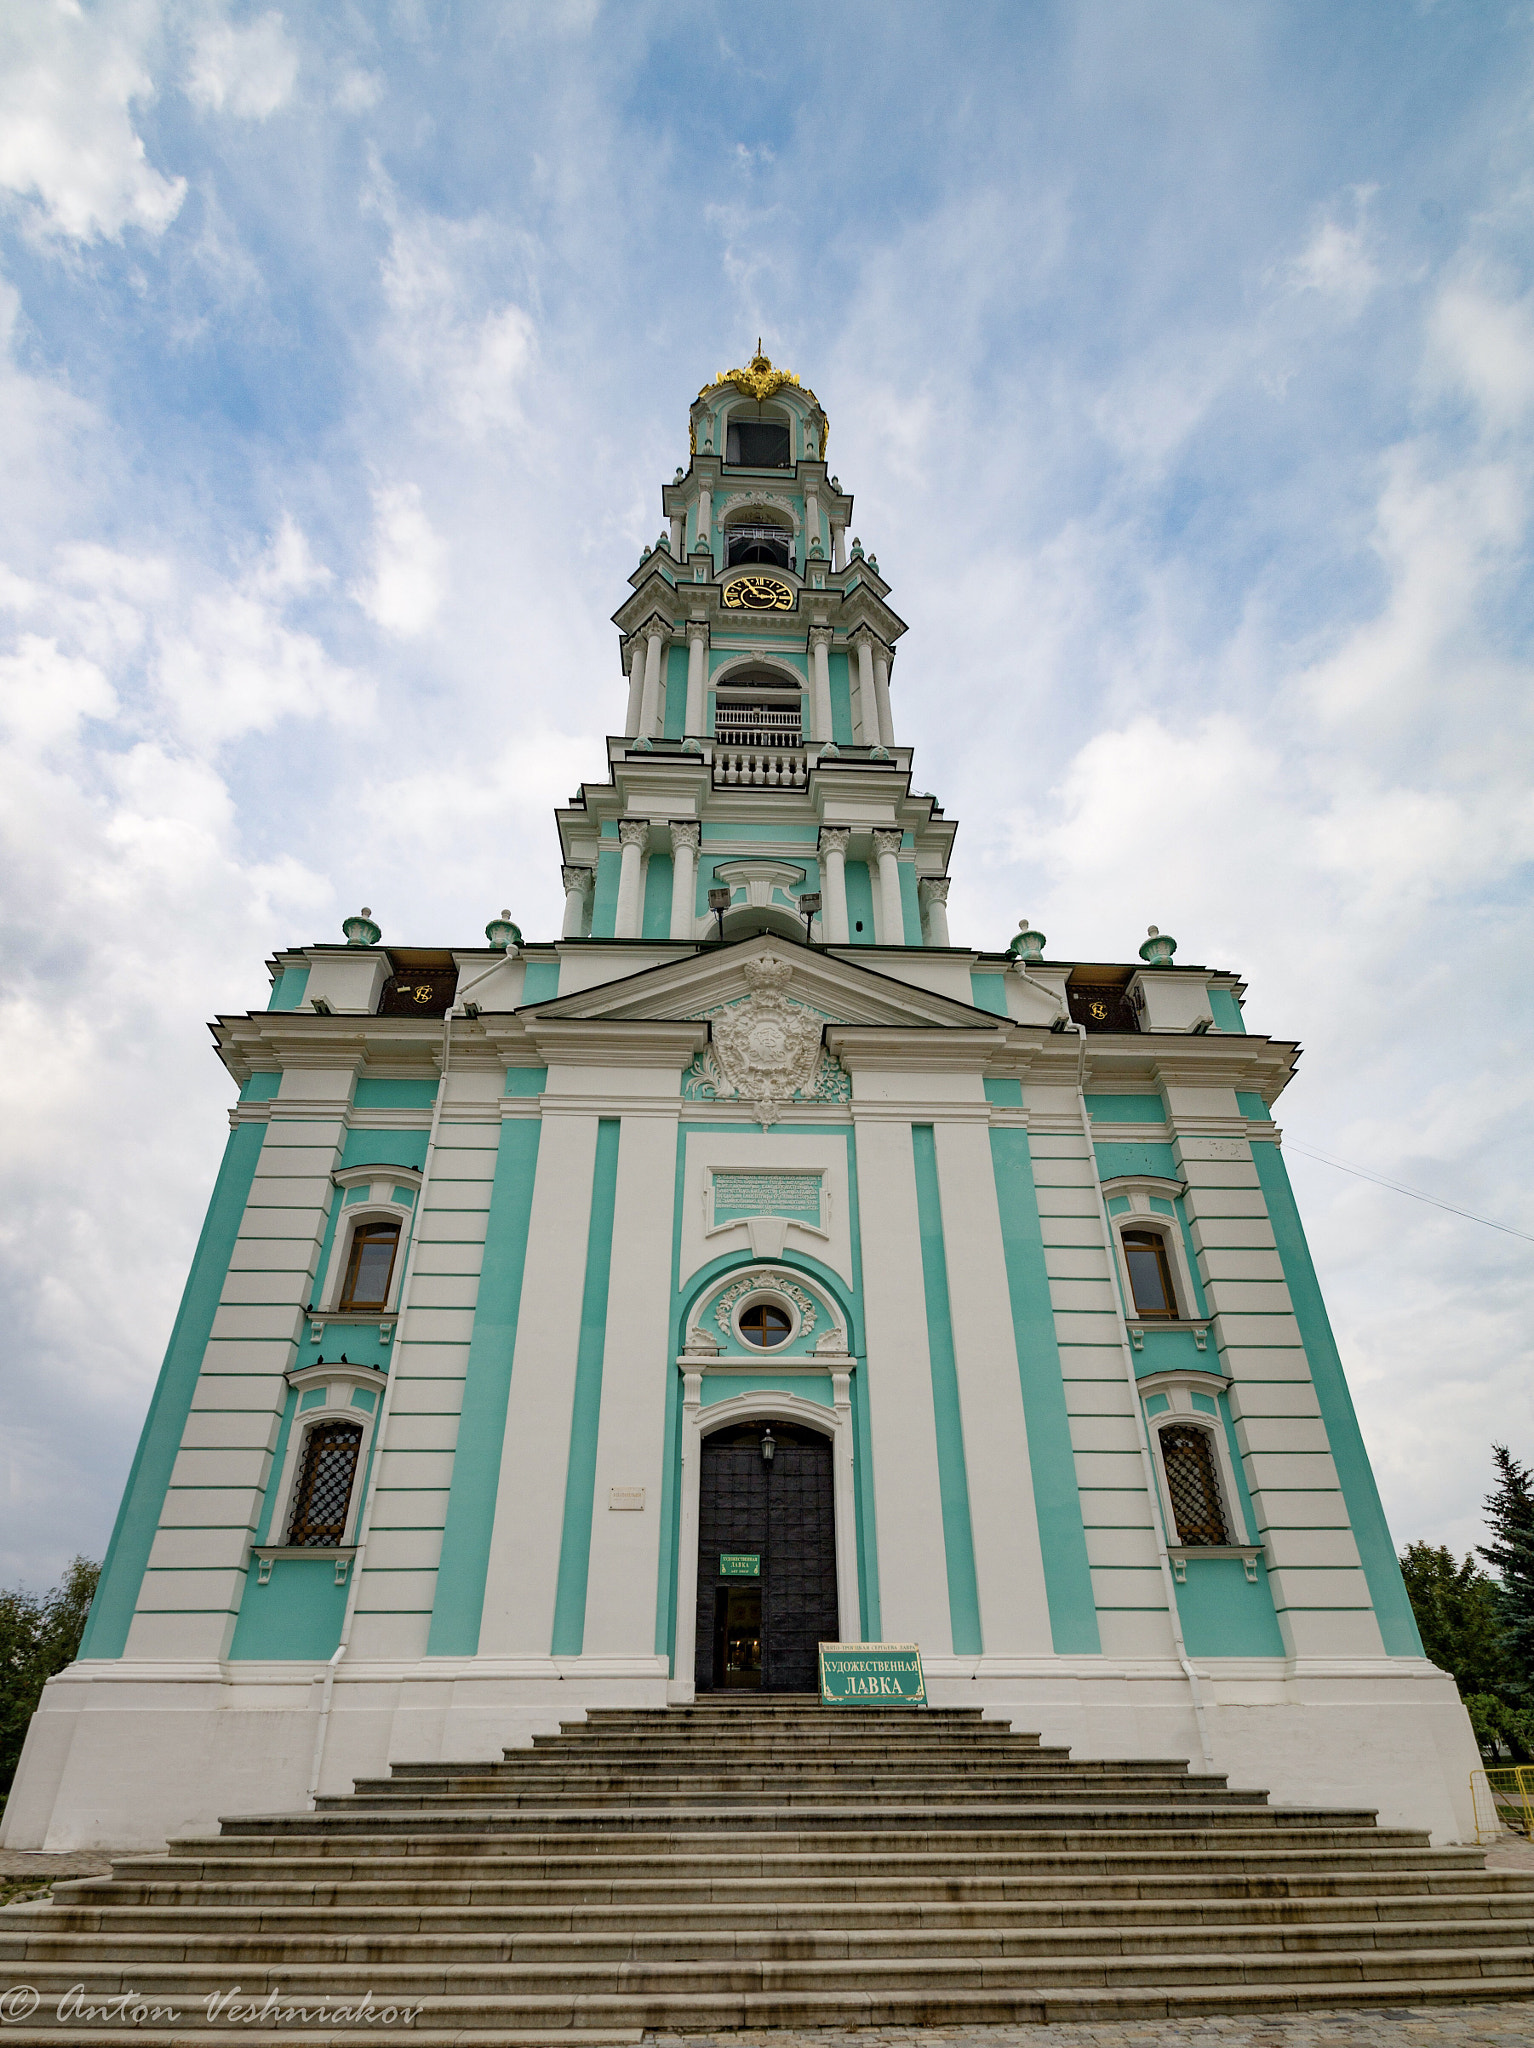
<point>1462,2026</point>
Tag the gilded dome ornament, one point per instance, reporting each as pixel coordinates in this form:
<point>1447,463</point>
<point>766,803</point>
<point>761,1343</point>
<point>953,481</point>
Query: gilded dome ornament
<point>758,379</point>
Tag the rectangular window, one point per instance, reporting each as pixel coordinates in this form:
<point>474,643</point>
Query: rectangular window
<point>757,444</point>
<point>370,1267</point>
<point>325,1486</point>
<point>1188,1462</point>
<point>1150,1273</point>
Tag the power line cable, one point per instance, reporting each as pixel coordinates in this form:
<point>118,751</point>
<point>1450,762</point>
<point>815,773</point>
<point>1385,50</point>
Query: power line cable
<point>1293,1145</point>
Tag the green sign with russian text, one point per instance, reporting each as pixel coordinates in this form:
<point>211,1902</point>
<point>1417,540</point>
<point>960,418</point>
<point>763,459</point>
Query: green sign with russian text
<point>739,1564</point>
<point>865,1674</point>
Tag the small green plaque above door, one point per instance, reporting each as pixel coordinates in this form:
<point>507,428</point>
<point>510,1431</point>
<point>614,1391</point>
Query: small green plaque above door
<point>860,1674</point>
<point>739,1564</point>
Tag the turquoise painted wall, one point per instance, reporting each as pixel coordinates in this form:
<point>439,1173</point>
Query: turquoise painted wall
<point>540,982</point>
<point>952,1478</point>
<point>288,988</point>
<point>581,1474</point>
<point>460,1593</point>
<point>808,1386</point>
<point>841,700</point>
<point>989,992</point>
<point>910,904</point>
<point>526,1080</point>
<point>394,1094</point>
<point>386,1148</point>
<point>122,1572</point>
<point>1159,1161</point>
<point>1127,1109</point>
<point>604,902</point>
<point>261,1088</point>
<point>297,1613</point>
<point>676,693</point>
<point>860,903</point>
<point>1057,1502</point>
<point>1226,1011</point>
<point>657,898</point>
<point>1371,1532</point>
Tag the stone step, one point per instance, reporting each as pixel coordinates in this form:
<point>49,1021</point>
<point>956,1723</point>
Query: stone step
<point>979,1822</point>
<point>647,1988</point>
<point>373,1795</point>
<point>796,1892</point>
<point>540,2023</point>
<point>372,1914</point>
<point>650,1949</point>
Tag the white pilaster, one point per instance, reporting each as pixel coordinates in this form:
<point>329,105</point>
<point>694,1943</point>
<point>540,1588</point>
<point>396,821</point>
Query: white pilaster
<point>684,855</point>
<point>865,710</point>
<point>636,687</point>
<point>838,544</point>
<point>633,835</point>
<point>833,885</point>
<point>697,665</point>
<point>705,537</point>
<point>523,1568</point>
<point>934,893</point>
<point>578,883</point>
<point>889,918</point>
<point>820,682</point>
<point>651,713</point>
<point>882,696</point>
<point>631,1431</point>
<point>811,522</point>
<point>678,533</point>
<point>913,1575</point>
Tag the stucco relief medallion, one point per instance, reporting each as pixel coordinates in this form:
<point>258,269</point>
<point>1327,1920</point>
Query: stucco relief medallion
<point>766,1047</point>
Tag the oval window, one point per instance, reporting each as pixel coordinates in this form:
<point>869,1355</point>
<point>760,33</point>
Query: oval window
<point>764,1324</point>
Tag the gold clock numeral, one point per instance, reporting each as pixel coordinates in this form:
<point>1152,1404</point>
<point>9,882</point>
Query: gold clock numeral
<point>758,594</point>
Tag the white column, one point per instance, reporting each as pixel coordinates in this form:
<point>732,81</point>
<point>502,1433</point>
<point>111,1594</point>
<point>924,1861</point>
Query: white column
<point>678,533</point>
<point>820,683</point>
<point>838,544</point>
<point>577,883</point>
<point>634,834</point>
<point>833,885</point>
<point>882,696</point>
<point>697,677</point>
<point>684,855</point>
<point>865,713</point>
<point>636,686</point>
<point>811,521</point>
<point>650,714</point>
<point>705,537</point>
<point>934,893</point>
<point>890,923</point>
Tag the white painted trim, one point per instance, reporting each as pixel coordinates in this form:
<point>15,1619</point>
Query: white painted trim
<point>761,1405</point>
<point>339,1381</point>
<point>376,1209</point>
<point>1179,1386</point>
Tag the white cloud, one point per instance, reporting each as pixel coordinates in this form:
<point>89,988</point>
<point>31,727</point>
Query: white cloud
<point>409,579</point>
<point>1336,262</point>
<point>68,81</point>
<point>1484,346</point>
<point>245,70</point>
<point>45,694</point>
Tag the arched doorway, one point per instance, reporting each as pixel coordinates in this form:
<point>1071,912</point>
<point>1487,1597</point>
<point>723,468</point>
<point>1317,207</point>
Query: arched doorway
<point>759,1630</point>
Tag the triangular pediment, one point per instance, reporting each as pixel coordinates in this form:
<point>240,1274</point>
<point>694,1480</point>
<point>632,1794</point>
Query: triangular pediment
<point>704,983</point>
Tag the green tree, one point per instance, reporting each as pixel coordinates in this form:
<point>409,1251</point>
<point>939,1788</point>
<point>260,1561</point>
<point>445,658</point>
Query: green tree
<point>38,1636</point>
<point>1510,1511</point>
<point>1459,1617</point>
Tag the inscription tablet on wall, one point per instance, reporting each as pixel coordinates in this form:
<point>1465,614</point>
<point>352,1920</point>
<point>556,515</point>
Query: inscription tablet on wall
<point>766,1194</point>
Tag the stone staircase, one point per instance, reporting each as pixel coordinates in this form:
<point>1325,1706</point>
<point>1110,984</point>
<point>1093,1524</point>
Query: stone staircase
<point>766,1863</point>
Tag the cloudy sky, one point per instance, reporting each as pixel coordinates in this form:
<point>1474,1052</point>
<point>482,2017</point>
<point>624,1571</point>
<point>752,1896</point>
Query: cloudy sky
<point>1180,355</point>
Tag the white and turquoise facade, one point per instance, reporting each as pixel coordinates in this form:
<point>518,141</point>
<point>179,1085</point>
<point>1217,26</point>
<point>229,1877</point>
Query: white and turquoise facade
<point>596,1152</point>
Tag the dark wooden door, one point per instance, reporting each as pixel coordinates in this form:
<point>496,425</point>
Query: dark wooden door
<point>784,1514</point>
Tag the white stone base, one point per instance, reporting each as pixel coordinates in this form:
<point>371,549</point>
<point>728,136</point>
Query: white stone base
<point>124,1756</point>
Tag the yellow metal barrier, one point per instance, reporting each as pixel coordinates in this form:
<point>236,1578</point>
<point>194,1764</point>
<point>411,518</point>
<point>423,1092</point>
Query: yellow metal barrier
<point>1503,1799</point>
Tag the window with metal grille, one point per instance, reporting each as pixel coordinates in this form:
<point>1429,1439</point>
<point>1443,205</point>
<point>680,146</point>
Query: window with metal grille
<point>1150,1273</point>
<point>370,1265</point>
<point>1188,1461</point>
<point>325,1486</point>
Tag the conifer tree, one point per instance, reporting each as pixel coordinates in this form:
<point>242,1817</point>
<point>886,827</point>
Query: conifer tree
<point>1510,1512</point>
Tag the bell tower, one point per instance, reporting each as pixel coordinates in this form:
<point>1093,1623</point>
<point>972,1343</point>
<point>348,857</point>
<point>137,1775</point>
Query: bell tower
<point>757,784</point>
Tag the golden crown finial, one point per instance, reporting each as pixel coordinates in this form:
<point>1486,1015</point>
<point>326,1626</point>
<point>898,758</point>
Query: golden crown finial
<point>759,380</point>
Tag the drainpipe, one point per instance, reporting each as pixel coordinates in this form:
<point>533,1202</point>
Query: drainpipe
<point>386,1400</point>
<point>1126,1353</point>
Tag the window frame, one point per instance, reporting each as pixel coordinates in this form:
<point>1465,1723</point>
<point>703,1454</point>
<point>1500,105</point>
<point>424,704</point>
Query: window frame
<point>757,413</point>
<point>339,1382</point>
<point>1154,1240</point>
<point>323,1419</point>
<point>377,1205</point>
<point>1179,1386</point>
<point>1139,1190</point>
<point>361,1233</point>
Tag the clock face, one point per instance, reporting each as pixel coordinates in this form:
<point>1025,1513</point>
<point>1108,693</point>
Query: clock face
<point>758,594</point>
